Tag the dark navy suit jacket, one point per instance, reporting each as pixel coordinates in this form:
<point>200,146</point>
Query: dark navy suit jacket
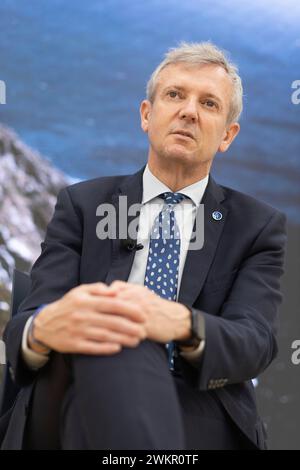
<point>234,280</point>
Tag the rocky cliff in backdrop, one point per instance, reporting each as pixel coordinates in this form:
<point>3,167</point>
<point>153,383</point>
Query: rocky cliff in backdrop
<point>28,188</point>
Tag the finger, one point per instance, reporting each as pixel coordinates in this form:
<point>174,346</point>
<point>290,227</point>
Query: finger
<point>90,285</point>
<point>119,286</point>
<point>97,288</point>
<point>126,294</point>
<point>134,290</point>
<point>114,305</point>
<point>108,336</point>
<point>115,323</point>
<point>95,348</point>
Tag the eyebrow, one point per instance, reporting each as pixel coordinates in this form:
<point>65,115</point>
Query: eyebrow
<point>207,94</point>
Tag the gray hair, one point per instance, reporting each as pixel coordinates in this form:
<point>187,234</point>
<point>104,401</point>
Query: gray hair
<point>199,54</point>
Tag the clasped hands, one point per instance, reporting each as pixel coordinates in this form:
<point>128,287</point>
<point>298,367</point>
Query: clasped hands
<point>101,320</point>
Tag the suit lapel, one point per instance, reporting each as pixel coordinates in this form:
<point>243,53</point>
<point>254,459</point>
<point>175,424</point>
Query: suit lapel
<point>198,262</point>
<point>122,259</point>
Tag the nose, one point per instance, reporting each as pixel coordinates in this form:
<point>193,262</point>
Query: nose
<point>188,111</point>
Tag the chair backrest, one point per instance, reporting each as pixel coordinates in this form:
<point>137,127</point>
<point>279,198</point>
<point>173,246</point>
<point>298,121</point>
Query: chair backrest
<point>20,288</point>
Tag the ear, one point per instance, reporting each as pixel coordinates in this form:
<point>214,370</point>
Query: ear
<point>229,136</point>
<point>145,110</point>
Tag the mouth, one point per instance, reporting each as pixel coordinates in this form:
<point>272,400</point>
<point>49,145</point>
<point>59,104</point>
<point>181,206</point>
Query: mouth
<point>184,134</point>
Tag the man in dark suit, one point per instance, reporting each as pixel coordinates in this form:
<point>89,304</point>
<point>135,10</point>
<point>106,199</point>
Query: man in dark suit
<point>89,348</point>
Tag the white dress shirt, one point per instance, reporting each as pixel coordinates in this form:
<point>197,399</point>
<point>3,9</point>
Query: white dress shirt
<point>185,213</point>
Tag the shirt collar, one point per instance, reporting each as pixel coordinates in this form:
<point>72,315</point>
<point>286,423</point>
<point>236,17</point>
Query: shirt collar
<point>152,187</point>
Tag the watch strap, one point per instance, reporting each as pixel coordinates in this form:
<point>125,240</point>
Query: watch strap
<point>197,329</point>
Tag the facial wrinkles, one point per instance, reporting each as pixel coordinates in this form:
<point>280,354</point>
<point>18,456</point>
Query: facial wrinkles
<point>207,87</point>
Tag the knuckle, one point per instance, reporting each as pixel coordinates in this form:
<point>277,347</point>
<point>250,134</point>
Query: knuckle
<point>117,283</point>
<point>101,284</point>
<point>77,299</point>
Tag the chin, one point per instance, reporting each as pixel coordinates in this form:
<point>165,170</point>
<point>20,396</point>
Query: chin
<point>179,154</point>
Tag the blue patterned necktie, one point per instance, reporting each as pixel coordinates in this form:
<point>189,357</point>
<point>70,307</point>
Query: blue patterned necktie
<point>163,257</point>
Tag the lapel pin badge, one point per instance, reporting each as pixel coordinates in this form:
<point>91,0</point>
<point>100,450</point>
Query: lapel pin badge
<point>216,215</point>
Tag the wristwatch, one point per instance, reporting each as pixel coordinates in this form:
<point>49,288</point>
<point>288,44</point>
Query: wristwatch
<point>197,329</point>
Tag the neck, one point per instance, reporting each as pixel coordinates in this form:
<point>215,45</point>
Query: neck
<point>177,177</point>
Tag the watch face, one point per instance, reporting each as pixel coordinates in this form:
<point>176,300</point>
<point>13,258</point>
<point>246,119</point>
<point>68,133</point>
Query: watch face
<point>198,325</point>
<point>197,329</point>
<point>195,342</point>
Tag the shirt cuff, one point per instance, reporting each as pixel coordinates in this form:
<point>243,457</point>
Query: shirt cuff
<point>193,356</point>
<point>32,359</point>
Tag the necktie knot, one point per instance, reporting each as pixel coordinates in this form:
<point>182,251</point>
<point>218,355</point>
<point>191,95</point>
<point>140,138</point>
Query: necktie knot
<point>172,198</point>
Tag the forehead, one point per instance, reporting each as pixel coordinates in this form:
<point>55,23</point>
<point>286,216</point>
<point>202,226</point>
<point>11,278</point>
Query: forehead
<point>206,78</point>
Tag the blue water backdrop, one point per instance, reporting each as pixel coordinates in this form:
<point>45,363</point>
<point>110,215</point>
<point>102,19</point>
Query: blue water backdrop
<point>76,72</point>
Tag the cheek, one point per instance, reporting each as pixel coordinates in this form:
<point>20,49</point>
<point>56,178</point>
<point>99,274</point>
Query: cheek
<point>216,131</point>
<point>155,132</point>
<point>160,117</point>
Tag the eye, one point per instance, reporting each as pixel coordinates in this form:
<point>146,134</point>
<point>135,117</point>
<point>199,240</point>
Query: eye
<point>211,104</point>
<point>173,93</point>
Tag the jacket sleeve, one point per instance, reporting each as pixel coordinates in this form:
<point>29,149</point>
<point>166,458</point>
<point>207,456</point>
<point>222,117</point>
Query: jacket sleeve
<point>241,341</point>
<point>53,274</point>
